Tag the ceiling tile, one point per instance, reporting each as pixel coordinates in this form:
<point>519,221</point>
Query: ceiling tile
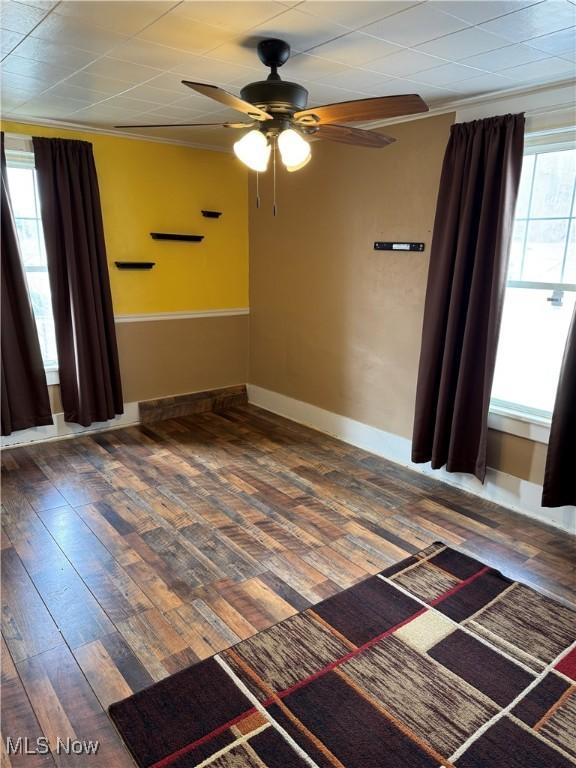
<point>50,106</point>
<point>404,63</point>
<point>242,54</point>
<point>197,103</point>
<point>67,91</point>
<point>415,25</point>
<point>30,68</point>
<point>17,17</point>
<point>477,11</point>
<point>44,5</point>
<point>484,83</point>
<point>103,114</point>
<point>207,69</point>
<point>125,71</point>
<point>185,34</point>
<point>169,82</point>
<point>13,99</point>
<point>173,112</point>
<point>62,30</point>
<point>126,17</point>
<point>534,21</point>
<point>154,95</point>
<point>355,13</point>
<point>460,45</point>
<point>9,41</point>
<point>94,82</point>
<point>446,74</point>
<point>234,15</point>
<point>557,43</point>
<point>21,83</point>
<point>358,80</point>
<point>327,94</point>
<point>431,94</point>
<point>210,137</point>
<point>542,71</point>
<point>80,65</point>
<point>399,86</point>
<point>58,55</point>
<point>510,56</point>
<point>149,54</point>
<point>301,30</point>
<point>127,103</point>
<point>355,49</point>
<point>305,66</point>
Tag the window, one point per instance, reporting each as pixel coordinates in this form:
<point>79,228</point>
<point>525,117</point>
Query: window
<point>541,286</point>
<point>25,204</point>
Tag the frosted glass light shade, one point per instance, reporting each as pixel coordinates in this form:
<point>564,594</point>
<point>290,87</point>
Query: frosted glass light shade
<point>253,150</point>
<point>294,150</point>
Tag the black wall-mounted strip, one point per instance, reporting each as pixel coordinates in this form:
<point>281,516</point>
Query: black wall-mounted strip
<point>172,236</point>
<point>381,246</point>
<point>135,264</point>
<point>212,214</point>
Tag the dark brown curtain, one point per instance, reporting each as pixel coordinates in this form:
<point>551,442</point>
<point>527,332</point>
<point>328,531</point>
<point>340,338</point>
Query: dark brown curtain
<point>560,473</point>
<point>25,401</point>
<point>79,282</point>
<point>466,281</point>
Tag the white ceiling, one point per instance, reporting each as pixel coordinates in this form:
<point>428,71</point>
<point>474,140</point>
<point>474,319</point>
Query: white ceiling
<point>104,63</point>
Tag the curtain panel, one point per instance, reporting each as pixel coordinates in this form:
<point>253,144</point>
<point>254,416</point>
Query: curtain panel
<point>465,292</point>
<point>25,401</point>
<point>560,475</point>
<point>79,282</point>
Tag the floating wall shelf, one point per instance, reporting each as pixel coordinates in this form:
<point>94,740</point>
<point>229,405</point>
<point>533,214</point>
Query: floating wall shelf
<point>173,236</point>
<point>212,214</point>
<point>135,264</point>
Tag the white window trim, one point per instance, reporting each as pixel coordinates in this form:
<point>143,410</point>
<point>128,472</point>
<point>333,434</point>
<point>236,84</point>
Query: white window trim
<point>52,376</point>
<point>515,421</point>
<point>520,424</point>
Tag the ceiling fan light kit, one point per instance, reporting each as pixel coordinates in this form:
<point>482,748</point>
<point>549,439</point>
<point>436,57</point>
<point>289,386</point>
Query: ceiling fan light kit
<point>253,149</point>
<point>279,118</point>
<point>294,150</point>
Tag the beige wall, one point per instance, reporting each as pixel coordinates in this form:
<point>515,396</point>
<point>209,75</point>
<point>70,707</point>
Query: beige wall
<point>333,322</point>
<point>517,456</point>
<point>173,357</point>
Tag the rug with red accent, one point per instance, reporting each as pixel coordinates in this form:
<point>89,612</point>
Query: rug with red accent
<point>436,661</point>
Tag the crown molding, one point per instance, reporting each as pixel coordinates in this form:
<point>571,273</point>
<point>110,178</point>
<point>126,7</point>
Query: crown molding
<point>86,128</point>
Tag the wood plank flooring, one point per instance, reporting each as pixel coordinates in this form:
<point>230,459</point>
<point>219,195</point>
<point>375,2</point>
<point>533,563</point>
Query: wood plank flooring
<point>131,554</point>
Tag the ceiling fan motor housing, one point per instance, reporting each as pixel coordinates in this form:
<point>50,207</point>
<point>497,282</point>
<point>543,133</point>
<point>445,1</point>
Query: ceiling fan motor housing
<point>276,95</point>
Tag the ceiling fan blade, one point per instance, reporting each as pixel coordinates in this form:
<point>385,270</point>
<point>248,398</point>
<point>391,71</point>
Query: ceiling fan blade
<point>379,108</point>
<point>189,125</point>
<point>228,99</point>
<point>356,136</point>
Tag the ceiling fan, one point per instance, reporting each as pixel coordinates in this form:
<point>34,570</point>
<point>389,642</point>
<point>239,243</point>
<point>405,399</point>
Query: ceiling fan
<point>279,117</point>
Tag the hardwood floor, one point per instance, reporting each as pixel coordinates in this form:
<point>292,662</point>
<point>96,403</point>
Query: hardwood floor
<point>131,554</point>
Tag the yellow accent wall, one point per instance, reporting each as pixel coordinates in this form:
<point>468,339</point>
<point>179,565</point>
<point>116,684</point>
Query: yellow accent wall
<point>148,187</point>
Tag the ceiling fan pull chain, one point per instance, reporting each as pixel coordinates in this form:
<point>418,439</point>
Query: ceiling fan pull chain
<point>257,190</point>
<point>274,176</point>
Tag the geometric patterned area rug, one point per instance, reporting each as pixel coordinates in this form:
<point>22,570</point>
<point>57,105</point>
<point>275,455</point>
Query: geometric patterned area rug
<point>436,661</point>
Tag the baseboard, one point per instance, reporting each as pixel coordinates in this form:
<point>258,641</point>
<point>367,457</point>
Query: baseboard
<point>63,430</point>
<point>511,492</point>
<point>144,412</point>
<point>194,402</point>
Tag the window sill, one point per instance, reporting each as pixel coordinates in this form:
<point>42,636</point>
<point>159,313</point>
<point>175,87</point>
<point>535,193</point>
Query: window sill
<point>52,376</point>
<point>519,424</point>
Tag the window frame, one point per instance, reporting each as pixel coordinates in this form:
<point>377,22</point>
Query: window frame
<point>20,154</point>
<point>506,416</point>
